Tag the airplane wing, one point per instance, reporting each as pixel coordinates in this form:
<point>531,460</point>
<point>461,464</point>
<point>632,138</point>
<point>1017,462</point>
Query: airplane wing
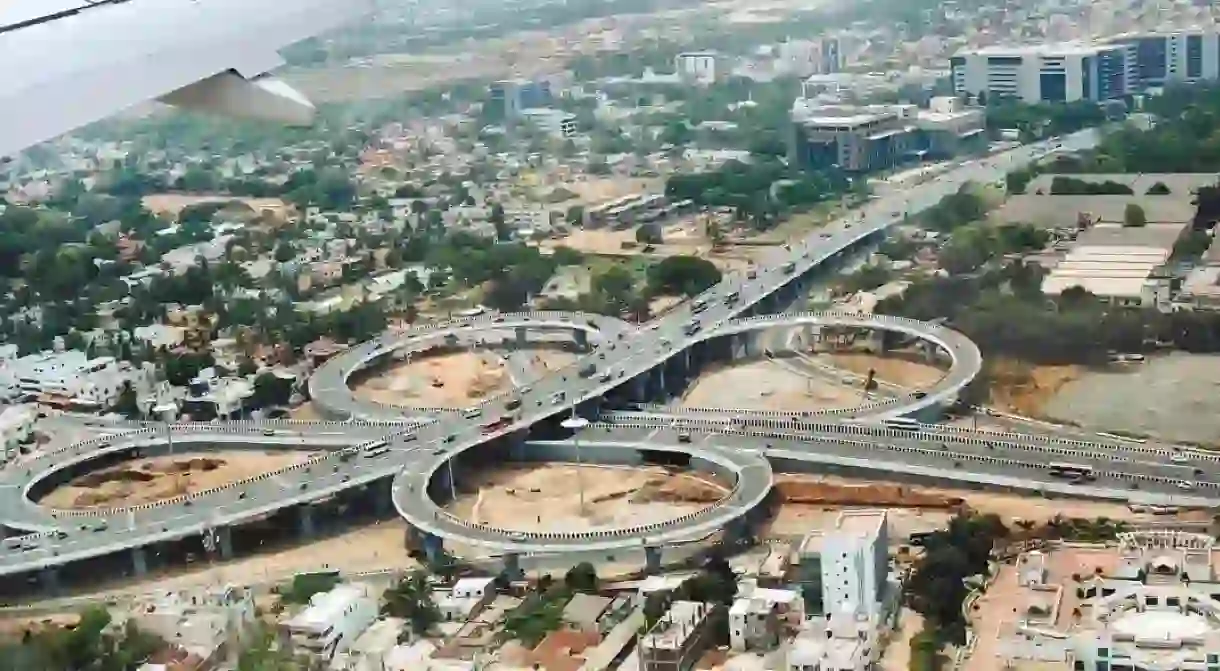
<point>67,63</point>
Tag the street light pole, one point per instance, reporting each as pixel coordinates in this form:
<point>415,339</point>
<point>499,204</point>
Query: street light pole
<point>575,424</point>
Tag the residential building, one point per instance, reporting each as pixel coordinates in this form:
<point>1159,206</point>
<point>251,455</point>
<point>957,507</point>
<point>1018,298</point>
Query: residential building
<point>553,122</point>
<point>16,427</point>
<point>1046,73</point>
<point>760,617</point>
<point>852,559</point>
<point>841,642</point>
<point>332,622</point>
<point>699,66</point>
<point>207,625</point>
<point>1163,58</point>
<point>677,640</point>
<point>466,598</point>
<point>512,96</point>
<point>210,397</point>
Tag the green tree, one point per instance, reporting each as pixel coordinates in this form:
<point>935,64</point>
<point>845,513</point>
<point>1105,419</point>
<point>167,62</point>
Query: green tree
<point>503,232</point>
<point>1158,189</point>
<point>128,404</point>
<point>1134,216</point>
<point>681,274</point>
<point>411,599</point>
<point>581,578</point>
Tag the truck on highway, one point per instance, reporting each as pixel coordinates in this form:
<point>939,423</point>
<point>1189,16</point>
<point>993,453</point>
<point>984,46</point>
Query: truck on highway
<point>587,371</point>
<point>788,268</point>
<point>492,427</point>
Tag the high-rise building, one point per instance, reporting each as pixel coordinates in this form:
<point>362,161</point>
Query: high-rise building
<point>511,96</point>
<point>1046,73</point>
<point>1164,58</point>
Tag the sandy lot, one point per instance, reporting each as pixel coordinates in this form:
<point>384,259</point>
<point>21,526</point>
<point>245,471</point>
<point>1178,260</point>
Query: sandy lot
<point>1008,506</point>
<point>766,385</point>
<point>452,380</point>
<point>1027,390</point>
<point>172,203</point>
<point>158,478</point>
<point>897,656</point>
<point>1172,397</point>
<point>896,369</point>
<point>546,497</point>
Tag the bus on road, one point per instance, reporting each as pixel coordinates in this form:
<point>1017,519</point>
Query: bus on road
<point>1072,471</point>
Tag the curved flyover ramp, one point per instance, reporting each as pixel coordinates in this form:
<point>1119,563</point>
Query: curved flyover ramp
<point>750,472</point>
<point>965,357</point>
<point>329,389</point>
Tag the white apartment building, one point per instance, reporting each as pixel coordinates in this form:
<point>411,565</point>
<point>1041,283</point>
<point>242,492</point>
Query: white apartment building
<point>16,427</point>
<point>467,597</point>
<point>1046,73</point>
<point>332,622</point>
<point>841,642</point>
<point>854,561</point>
<point>697,65</point>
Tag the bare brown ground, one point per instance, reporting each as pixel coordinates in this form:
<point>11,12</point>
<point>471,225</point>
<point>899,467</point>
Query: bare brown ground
<point>765,385</point>
<point>1010,507</point>
<point>159,478</point>
<point>172,203</point>
<point>898,368</point>
<point>1025,389</point>
<point>897,655</point>
<point>448,380</point>
<point>546,497</point>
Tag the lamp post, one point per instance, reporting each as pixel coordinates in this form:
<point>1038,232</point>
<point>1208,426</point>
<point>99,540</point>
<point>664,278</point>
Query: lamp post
<point>575,424</point>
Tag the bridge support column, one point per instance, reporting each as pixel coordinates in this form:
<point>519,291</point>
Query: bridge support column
<point>139,561</point>
<point>747,340</point>
<point>652,559</point>
<point>49,577</point>
<point>434,547</point>
<point>639,388</point>
<point>512,566</point>
<point>522,335</point>
<point>582,339</point>
<point>662,390</point>
<point>224,542</point>
<point>305,520</point>
<point>383,498</point>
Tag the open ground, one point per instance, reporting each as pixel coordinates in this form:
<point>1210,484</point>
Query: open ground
<point>160,478</point>
<point>450,380</point>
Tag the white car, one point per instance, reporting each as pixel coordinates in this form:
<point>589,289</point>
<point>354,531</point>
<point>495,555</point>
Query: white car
<point>516,535</point>
<point>1184,485</point>
<point>1179,458</point>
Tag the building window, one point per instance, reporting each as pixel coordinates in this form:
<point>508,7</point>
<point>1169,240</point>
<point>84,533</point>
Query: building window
<point>1151,601</point>
<point>1194,56</point>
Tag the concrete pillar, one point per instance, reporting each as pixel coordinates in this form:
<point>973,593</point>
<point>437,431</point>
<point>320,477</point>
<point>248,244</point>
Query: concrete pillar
<point>224,542</point>
<point>139,560</point>
<point>746,339</point>
<point>434,546</point>
<point>522,334</point>
<point>663,391</point>
<point>49,577</point>
<point>306,521</point>
<point>512,566</point>
<point>582,338</point>
<point>639,388</point>
<point>652,559</point>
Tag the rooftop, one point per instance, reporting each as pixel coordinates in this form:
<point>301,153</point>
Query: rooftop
<point>676,626</point>
<point>326,607</point>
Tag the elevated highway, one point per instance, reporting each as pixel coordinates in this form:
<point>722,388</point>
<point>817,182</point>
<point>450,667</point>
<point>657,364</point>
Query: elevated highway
<point>411,448</point>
